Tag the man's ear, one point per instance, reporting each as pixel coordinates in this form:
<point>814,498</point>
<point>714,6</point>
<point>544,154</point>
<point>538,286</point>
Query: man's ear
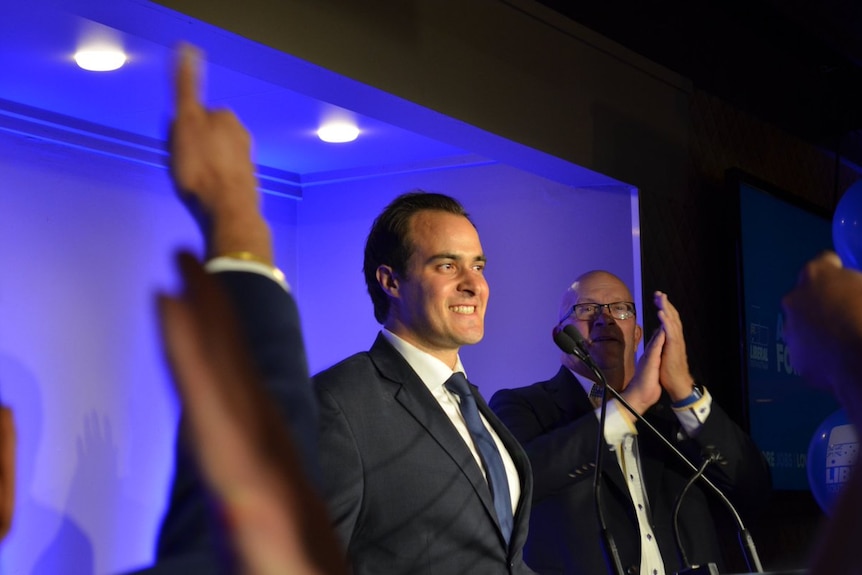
<point>389,282</point>
<point>638,335</point>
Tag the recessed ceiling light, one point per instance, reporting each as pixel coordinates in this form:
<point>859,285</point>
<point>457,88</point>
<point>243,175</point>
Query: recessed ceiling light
<point>338,132</point>
<point>101,59</point>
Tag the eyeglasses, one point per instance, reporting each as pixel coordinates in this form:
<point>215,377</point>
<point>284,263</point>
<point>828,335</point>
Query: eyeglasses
<point>590,311</point>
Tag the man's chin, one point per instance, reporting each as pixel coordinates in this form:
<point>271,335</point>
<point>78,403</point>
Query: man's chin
<point>471,338</point>
<point>608,354</point>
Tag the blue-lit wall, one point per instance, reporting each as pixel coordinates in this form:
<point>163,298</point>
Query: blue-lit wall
<point>86,240</point>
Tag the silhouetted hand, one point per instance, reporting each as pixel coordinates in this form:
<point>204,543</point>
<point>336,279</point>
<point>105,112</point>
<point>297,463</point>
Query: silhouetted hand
<point>8,443</point>
<point>275,520</point>
<point>823,329</point>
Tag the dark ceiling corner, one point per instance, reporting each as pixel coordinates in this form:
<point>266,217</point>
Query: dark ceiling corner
<point>794,63</point>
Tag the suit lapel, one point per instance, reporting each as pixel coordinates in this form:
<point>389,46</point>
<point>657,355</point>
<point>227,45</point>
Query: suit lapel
<point>571,398</point>
<point>568,394</point>
<point>413,395</point>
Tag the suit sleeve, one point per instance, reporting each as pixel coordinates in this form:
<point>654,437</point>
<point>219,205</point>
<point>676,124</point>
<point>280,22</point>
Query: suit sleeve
<point>561,451</point>
<point>270,322</point>
<point>741,471</point>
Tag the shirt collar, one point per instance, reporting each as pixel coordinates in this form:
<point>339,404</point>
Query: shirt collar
<point>430,370</point>
<point>587,384</point>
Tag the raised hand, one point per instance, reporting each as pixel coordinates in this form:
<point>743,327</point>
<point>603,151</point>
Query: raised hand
<point>644,389</point>
<point>823,328</point>
<point>212,169</point>
<point>674,375</point>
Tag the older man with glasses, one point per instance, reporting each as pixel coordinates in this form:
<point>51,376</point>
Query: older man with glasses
<point>557,422</point>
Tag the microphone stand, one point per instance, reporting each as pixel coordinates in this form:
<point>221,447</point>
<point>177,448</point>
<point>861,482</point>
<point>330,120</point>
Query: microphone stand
<point>677,505</point>
<point>609,546</point>
<point>571,341</point>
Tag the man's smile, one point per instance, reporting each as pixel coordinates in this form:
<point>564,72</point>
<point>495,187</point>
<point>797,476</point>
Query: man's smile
<point>463,309</point>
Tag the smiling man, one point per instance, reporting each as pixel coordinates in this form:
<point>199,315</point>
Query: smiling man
<point>557,423</point>
<point>420,476</point>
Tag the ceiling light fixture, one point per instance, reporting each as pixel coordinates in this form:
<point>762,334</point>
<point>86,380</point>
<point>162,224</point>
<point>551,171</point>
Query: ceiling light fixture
<point>338,132</point>
<point>100,59</point>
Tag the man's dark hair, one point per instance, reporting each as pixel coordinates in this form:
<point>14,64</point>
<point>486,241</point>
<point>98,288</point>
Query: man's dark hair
<point>389,242</point>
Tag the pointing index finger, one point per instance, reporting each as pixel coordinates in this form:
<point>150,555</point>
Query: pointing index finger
<point>187,79</point>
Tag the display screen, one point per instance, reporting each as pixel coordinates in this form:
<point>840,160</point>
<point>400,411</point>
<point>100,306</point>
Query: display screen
<point>777,238</point>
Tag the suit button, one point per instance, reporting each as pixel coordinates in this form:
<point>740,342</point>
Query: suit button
<point>633,570</point>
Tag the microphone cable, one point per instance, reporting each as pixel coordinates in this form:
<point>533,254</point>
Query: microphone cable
<point>680,548</point>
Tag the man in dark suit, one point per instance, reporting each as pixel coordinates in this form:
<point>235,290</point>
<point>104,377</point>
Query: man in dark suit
<point>557,423</point>
<point>247,451</point>
<point>410,486</point>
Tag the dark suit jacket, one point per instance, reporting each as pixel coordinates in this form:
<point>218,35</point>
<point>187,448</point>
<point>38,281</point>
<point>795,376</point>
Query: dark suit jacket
<point>188,540</point>
<point>406,494</point>
<point>555,423</point>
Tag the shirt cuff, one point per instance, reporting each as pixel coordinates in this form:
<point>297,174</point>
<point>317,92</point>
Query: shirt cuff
<point>692,415</point>
<point>228,264</point>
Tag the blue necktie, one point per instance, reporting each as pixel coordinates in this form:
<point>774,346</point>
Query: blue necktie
<point>494,469</point>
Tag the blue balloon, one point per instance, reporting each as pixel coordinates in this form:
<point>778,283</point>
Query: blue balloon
<point>847,227</point>
<point>831,457</point>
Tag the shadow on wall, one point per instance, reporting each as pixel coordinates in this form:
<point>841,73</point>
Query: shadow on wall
<point>43,540</point>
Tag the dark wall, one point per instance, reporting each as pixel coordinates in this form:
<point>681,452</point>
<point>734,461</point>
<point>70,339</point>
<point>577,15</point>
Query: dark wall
<point>688,251</point>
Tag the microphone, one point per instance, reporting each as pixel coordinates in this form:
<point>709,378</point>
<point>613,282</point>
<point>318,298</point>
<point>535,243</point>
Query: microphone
<point>572,342</point>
